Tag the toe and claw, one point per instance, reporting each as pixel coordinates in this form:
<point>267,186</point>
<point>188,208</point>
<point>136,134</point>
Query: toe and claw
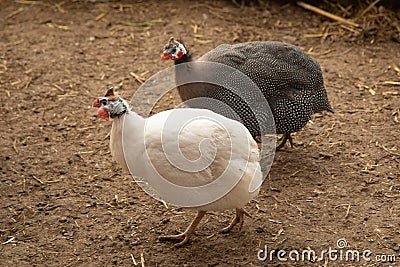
<point>185,236</point>
<point>238,220</point>
<point>285,137</point>
<point>182,237</point>
<point>189,232</point>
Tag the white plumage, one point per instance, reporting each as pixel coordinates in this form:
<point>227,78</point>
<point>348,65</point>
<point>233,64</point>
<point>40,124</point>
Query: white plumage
<point>187,156</point>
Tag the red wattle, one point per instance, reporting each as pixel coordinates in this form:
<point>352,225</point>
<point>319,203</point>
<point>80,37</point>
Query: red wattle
<point>103,114</point>
<point>165,56</point>
<point>180,54</point>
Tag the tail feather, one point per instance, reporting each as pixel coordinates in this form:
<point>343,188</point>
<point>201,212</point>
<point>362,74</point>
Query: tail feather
<point>329,108</point>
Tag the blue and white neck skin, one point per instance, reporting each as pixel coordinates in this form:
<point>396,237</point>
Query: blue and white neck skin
<point>177,51</point>
<point>115,108</point>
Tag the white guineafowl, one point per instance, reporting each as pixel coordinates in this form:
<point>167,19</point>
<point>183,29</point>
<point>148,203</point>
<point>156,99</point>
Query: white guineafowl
<point>145,147</point>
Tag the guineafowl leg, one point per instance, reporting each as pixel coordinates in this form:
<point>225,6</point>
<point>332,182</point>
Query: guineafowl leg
<point>185,236</point>
<point>284,138</point>
<point>239,219</point>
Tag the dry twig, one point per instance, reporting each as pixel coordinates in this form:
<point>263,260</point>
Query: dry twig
<point>369,8</point>
<point>391,83</point>
<point>327,14</point>
<point>141,24</point>
<point>8,241</point>
<point>142,259</point>
<point>133,259</point>
<point>15,145</point>
<point>99,17</point>
<point>137,77</point>
<point>347,211</point>
<point>37,179</point>
<point>59,8</point>
<point>16,12</point>
<point>390,152</point>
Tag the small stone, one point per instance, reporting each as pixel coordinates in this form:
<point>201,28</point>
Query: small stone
<point>259,230</point>
<point>165,220</point>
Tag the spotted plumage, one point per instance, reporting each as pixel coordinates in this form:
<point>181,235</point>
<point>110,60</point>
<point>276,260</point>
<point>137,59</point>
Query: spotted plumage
<point>289,79</point>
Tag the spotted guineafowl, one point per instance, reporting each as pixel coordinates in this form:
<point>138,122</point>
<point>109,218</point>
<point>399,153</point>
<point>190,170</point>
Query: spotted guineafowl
<point>289,79</point>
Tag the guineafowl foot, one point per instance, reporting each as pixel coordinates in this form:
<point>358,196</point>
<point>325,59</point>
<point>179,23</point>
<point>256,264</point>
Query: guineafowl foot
<point>182,237</point>
<point>239,219</point>
<point>185,236</point>
<point>284,138</point>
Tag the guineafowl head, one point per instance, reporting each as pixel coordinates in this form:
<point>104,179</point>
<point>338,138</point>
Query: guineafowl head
<point>111,105</point>
<point>173,50</point>
<point>321,102</point>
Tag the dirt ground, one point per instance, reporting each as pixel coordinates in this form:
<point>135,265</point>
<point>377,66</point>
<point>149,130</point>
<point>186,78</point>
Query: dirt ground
<point>65,202</point>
